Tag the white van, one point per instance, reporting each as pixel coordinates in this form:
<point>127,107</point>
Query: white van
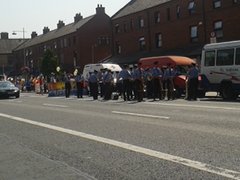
<point>220,66</point>
<point>92,67</point>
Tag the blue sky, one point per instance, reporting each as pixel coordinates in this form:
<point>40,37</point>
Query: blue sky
<point>33,15</point>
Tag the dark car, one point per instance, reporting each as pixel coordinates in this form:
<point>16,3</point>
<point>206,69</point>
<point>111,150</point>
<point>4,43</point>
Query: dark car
<point>8,89</point>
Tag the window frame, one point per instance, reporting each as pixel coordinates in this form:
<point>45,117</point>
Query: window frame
<point>237,56</point>
<point>218,29</point>
<point>194,33</point>
<point>217,4</point>
<point>222,62</point>
<point>159,40</point>
<point>207,60</point>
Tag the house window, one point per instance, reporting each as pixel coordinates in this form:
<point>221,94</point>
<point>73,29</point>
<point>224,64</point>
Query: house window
<point>237,62</point>
<point>236,1</point>
<point>191,7</point>
<point>117,29</point>
<point>168,14</point>
<point>142,44</point>
<point>158,38</point>
<point>131,24</point>
<point>218,29</point>
<point>125,28</point>
<point>217,3</point>
<point>141,22</point>
<point>157,17</point>
<point>194,33</point>
<point>178,11</point>
<point>118,48</point>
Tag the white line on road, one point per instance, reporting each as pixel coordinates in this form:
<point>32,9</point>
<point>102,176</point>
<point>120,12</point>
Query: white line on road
<point>140,115</point>
<point>55,105</point>
<point>194,106</point>
<point>176,159</point>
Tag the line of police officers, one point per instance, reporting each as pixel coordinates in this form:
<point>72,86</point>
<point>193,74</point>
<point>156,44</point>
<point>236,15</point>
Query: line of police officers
<point>130,83</point>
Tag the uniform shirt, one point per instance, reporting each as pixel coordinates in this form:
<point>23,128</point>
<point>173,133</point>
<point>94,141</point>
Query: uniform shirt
<point>193,73</point>
<point>108,77</point>
<point>156,72</point>
<point>138,73</point>
<point>79,78</point>
<point>169,73</point>
<point>93,78</point>
<point>125,74</point>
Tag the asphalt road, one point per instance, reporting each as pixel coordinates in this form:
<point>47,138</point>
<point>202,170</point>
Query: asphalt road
<point>72,139</point>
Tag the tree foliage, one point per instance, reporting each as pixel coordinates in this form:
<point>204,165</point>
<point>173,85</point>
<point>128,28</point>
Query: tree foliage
<point>49,63</point>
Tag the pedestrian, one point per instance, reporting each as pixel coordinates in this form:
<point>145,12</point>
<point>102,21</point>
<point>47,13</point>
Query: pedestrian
<point>138,82</point>
<point>108,84</point>
<point>168,76</point>
<point>156,81</point>
<point>79,84</point>
<point>93,83</point>
<point>126,76</point>
<point>67,85</point>
<point>192,79</point>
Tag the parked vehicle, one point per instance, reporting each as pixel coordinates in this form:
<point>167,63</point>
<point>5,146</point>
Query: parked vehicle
<point>92,67</point>
<point>8,89</point>
<point>180,63</point>
<point>220,68</point>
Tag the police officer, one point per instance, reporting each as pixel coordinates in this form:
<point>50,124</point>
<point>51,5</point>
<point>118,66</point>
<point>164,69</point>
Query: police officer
<point>79,84</point>
<point>156,81</point>
<point>67,85</point>
<point>138,82</point>
<point>108,84</point>
<point>192,78</point>
<point>126,76</point>
<point>93,83</point>
<point>168,76</point>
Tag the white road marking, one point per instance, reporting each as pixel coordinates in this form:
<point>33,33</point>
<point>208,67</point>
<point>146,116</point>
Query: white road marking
<point>194,106</point>
<point>140,115</point>
<point>55,105</point>
<point>176,159</point>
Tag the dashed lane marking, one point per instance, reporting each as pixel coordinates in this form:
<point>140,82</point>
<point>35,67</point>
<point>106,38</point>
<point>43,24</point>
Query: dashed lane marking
<point>140,115</point>
<point>163,156</point>
<point>55,105</point>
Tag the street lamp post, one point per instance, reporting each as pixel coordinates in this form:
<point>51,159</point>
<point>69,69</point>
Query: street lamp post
<point>23,37</point>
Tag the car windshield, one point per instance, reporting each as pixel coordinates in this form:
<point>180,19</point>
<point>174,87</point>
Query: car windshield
<point>5,84</point>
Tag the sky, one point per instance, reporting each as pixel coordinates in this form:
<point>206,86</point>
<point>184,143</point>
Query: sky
<point>33,15</point>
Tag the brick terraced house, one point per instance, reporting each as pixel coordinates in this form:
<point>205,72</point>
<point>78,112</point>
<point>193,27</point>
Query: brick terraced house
<point>172,27</point>
<point>86,40</point>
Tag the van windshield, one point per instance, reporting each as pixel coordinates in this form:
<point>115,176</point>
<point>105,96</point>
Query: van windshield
<point>181,70</point>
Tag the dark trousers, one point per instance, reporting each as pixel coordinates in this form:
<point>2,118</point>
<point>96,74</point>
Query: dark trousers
<point>67,89</point>
<point>193,88</point>
<point>157,89</point>
<point>139,89</point>
<point>126,89</point>
<point>79,89</point>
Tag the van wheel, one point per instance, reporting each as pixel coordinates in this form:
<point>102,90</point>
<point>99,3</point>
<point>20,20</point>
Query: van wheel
<point>227,92</point>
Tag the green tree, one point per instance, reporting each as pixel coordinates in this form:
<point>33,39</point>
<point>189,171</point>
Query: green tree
<point>49,63</point>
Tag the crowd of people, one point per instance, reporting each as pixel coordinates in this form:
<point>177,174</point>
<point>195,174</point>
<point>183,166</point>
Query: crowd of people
<point>134,83</point>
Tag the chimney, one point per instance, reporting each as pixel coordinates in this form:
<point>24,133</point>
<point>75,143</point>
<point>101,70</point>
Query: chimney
<point>60,24</point>
<point>100,9</point>
<point>34,34</point>
<point>78,17</point>
<point>4,35</point>
<point>45,30</point>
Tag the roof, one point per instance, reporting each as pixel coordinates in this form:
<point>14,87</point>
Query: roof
<point>7,45</point>
<point>137,5</point>
<point>165,61</point>
<point>54,34</point>
<point>227,44</point>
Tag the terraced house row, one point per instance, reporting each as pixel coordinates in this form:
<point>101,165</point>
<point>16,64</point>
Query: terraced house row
<point>139,29</point>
